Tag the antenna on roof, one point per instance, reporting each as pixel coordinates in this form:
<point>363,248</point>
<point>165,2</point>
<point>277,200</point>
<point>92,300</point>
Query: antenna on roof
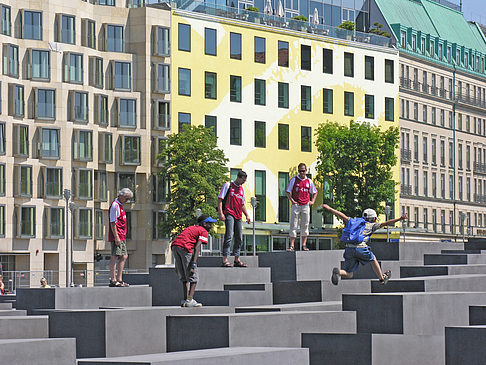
<point>460,6</point>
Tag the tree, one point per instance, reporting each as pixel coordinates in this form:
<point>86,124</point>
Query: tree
<point>348,25</point>
<point>196,169</point>
<point>379,31</point>
<point>301,18</point>
<point>356,162</point>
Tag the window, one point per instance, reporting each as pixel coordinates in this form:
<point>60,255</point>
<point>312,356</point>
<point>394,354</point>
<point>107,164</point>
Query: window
<point>425,149</point>
<point>106,2</point>
<point>210,86</point>
<point>6,26</point>
<point>348,104</point>
<point>459,155</point>
<point>49,143</point>
<point>442,153</point>
<point>84,225</point>
<point>426,180</point>
<point>235,46</point>
<point>306,139</point>
<point>45,104</point>
<point>114,41</point>
<point>22,181</point>
<point>122,75</point>
<point>102,185</point>
<point>415,111</point>
<point>283,95</point>
<point>369,68</point>
<point>73,68</point>
<point>27,221</point>
<point>259,50</point>
<point>2,139</point>
<point>161,42</point>
<point>184,119</point>
<point>305,57</point>
<point>184,37</point>
<point>369,106</point>
<point>260,194</point>
<point>389,109</point>
<point>157,230</point>
<point>425,113</point>
<point>67,32</point>
<point>18,105</point>
<point>2,179</point>
<point>2,220</point>
<point>127,112</point>
<point>283,201</point>
<point>53,186</point>
<point>101,109</point>
<point>327,58</point>
<point>31,24</point>
<point>127,180</point>
<point>161,189</point>
<point>39,67</point>
<point>305,98</point>
<point>210,121</point>
<point>11,60</point>
<point>327,95</point>
<point>163,78</point>
<point>82,145</point>
<point>468,157</point>
<point>131,150</point>
<point>235,132</point>
<point>434,151</point>
<point>260,92</point>
<point>105,147</point>
<point>99,225</point>
<point>348,64</point>
<point>96,72</point>
<point>451,155</point>
<point>162,114</point>
<point>210,41</point>
<point>389,71</point>
<point>88,33</point>
<point>283,136</point>
<point>184,81</point>
<point>416,182</point>
<point>235,89</point>
<point>21,140</point>
<point>79,105</point>
<point>283,54</point>
<point>260,134</point>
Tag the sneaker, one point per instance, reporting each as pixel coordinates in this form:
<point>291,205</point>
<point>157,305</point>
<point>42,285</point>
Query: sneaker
<point>335,276</point>
<point>183,302</point>
<point>386,277</point>
<point>192,303</point>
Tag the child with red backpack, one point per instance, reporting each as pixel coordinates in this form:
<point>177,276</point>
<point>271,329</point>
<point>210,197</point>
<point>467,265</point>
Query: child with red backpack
<point>356,235</point>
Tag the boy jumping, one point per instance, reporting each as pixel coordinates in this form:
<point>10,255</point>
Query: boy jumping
<point>360,253</point>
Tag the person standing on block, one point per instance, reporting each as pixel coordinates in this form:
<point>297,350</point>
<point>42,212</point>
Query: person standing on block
<point>302,194</point>
<point>186,247</point>
<point>231,205</point>
<point>117,234</point>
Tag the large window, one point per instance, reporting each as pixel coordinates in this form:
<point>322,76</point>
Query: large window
<point>122,75</point>
<point>183,120</point>
<point>283,54</point>
<point>161,189</point>
<point>88,36</point>
<point>85,183</point>
<point>49,144</point>
<point>184,37</point>
<point>23,180</point>
<point>39,64</point>
<point>67,29</point>
<point>235,131</point>
<point>327,61</point>
<point>163,78</point>
<point>305,98</point>
<point>21,140</point>
<point>127,112</point>
<point>260,92</point>
<point>2,139</point>
<point>53,187</point>
<point>260,134</point>
<point>389,109</point>
<point>6,26</point>
<point>157,218</point>
<point>101,109</point>
<point>283,201</point>
<point>161,42</point>
<point>27,221</point>
<point>2,220</point>
<point>85,223</point>
<point>283,95</point>
<point>283,136</point>
<point>369,106</point>
<point>114,38</point>
<point>259,50</point>
<point>389,71</point>
<point>348,64</point>
<point>2,179</point>
<point>235,46</point>
<point>235,88</point>
<point>211,122</point>
<point>79,112</point>
<point>73,68</point>
<point>327,95</point>
<point>260,194</point>
<point>162,115</point>
<point>127,180</point>
<point>369,68</point>
<point>105,145</point>
<point>102,185</point>
<point>306,139</point>
<point>210,85</point>
<point>55,220</point>
<point>348,104</point>
<point>11,60</point>
<point>31,24</point>
<point>96,72</point>
<point>210,41</point>
<point>83,145</point>
<point>18,107</point>
<point>131,150</point>
<point>305,57</point>
<point>45,107</point>
<point>184,81</point>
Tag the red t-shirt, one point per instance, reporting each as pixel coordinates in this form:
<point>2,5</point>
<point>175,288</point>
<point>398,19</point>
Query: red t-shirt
<point>188,238</point>
<point>117,215</point>
<point>301,190</point>
<point>235,200</point>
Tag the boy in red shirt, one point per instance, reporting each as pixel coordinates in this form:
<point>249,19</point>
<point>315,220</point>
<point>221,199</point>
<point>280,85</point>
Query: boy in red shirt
<point>186,248</point>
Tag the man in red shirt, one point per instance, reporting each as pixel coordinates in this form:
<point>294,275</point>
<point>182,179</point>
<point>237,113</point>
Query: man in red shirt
<point>117,234</point>
<point>231,203</point>
<point>186,248</point>
<point>302,194</point>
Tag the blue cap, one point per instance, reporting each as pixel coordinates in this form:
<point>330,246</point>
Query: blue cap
<point>205,218</point>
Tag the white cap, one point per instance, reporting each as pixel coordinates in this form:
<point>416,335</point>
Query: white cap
<point>369,213</point>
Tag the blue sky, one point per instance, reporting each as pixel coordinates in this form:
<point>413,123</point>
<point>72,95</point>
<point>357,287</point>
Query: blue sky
<point>473,9</point>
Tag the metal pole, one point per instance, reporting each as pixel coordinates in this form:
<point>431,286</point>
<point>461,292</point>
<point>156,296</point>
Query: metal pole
<point>254,203</point>
<point>404,225</point>
<point>463,220</point>
<point>387,213</point>
<point>72,206</point>
<point>67,195</point>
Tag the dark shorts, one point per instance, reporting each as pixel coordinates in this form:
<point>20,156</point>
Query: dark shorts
<point>353,256</point>
<point>120,250</point>
<point>182,260</point>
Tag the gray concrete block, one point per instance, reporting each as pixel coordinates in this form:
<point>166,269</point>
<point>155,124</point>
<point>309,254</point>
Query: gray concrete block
<point>297,291</point>
<point>414,251</point>
<point>419,271</point>
<point>332,292</point>
<point>386,251</point>
<point>313,306</point>
<point>136,278</point>
<point>281,329</point>
<point>235,297</point>
<point>465,345</point>
<point>5,306</point>
<point>82,298</point>
<point>478,252</point>
<point>216,261</point>
<point>38,351</point>
<point>283,265</point>
<point>23,327</point>
<point>452,283</point>
<point>444,259</point>
<point>221,356</point>
<point>475,244</point>
<point>13,312</point>
<point>477,315</point>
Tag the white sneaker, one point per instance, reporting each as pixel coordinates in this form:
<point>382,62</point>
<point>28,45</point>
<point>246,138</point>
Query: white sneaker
<point>183,302</point>
<point>192,303</point>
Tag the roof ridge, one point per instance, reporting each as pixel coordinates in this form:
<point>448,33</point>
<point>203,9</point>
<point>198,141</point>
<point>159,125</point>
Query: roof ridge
<point>430,18</point>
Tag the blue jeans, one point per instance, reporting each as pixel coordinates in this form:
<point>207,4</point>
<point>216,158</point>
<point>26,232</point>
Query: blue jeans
<point>233,227</point>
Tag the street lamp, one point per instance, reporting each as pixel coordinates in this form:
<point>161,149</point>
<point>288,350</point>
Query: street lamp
<point>67,196</point>
<point>387,213</point>
<point>462,216</point>
<point>254,203</point>
<point>72,206</point>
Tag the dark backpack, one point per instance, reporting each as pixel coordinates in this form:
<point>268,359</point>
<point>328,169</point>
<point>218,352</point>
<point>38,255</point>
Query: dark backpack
<point>353,231</point>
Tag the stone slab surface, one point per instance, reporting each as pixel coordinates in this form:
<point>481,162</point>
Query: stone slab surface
<point>24,327</point>
<point>13,312</point>
<point>216,261</point>
<point>313,306</point>
<point>465,345</point>
<point>38,351</point>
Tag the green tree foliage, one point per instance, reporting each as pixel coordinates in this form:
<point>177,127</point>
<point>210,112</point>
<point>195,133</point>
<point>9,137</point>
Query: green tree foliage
<point>348,25</point>
<point>196,169</point>
<point>301,18</point>
<point>253,8</point>
<point>357,163</point>
<point>377,30</point>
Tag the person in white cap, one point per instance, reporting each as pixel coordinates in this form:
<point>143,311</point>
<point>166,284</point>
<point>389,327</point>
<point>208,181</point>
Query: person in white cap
<point>359,252</point>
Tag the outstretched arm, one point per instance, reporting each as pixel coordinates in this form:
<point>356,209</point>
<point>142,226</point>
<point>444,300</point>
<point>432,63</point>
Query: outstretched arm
<point>393,221</point>
<point>337,213</point>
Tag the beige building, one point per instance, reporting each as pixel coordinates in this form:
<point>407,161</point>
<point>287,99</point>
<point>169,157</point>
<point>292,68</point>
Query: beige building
<point>84,105</point>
